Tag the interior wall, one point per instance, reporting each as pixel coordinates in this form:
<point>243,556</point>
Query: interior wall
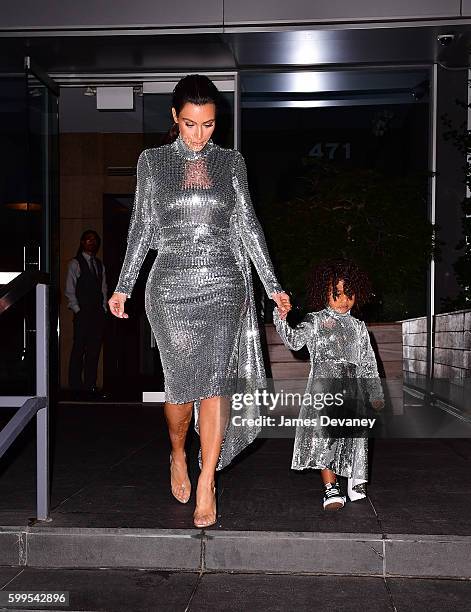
<point>84,158</point>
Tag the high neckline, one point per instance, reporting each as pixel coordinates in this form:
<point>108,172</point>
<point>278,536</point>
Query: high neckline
<point>334,313</point>
<point>184,150</point>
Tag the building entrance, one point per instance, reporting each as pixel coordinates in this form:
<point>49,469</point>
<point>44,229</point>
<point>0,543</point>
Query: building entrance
<point>28,215</point>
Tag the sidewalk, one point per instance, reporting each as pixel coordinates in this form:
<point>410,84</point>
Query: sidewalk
<point>110,469</point>
<point>110,480</point>
<point>153,591</point>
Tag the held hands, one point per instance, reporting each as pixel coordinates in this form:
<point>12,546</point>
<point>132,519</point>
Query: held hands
<point>377,404</point>
<point>116,304</point>
<point>283,302</point>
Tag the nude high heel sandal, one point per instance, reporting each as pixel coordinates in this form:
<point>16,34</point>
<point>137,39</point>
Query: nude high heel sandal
<point>183,498</point>
<point>206,520</point>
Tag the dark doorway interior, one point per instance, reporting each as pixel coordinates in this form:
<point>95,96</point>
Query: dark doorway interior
<point>131,362</point>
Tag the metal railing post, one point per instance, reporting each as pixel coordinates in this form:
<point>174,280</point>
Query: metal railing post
<point>433,128</point>
<point>42,416</point>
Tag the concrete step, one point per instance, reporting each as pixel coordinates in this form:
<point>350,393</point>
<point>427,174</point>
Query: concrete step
<point>294,371</point>
<point>382,333</point>
<point>357,554</point>
<point>300,369</point>
<point>280,353</point>
<point>386,339</point>
<point>111,504</point>
<point>386,333</point>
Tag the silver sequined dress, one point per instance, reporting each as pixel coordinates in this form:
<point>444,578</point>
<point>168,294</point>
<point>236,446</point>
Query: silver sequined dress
<point>335,341</point>
<point>195,209</point>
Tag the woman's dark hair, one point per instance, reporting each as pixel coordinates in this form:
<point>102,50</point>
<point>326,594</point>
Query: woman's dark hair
<point>84,235</point>
<point>193,88</point>
<point>326,275</point>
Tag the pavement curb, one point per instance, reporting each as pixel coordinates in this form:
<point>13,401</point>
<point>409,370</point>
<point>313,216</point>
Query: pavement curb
<point>370,554</point>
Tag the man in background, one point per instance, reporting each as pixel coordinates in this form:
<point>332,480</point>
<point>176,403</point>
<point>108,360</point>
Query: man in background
<point>87,294</point>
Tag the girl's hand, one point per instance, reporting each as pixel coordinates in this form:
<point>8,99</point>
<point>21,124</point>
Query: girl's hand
<point>116,304</point>
<point>283,302</point>
<point>378,404</point>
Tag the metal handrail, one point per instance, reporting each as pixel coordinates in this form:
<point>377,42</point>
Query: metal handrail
<point>20,286</point>
<point>39,404</point>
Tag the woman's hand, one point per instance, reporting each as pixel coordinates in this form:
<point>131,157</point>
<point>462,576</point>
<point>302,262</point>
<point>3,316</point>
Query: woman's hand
<point>283,302</point>
<point>116,304</point>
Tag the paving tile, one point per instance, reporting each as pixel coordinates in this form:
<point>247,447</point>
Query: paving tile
<point>428,556</point>
<point>116,590</point>
<point>301,510</point>
<point>11,545</point>
<point>282,593</point>
<point>7,574</point>
<point>264,551</point>
<point>423,508</point>
<point>462,447</point>
<point>146,548</point>
<point>430,595</point>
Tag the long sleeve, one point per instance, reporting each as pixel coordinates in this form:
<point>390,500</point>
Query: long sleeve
<point>293,337</point>
<point>73,271</point>
<point>250,230</point>
<point>368,369</point>
<point>140,230</point>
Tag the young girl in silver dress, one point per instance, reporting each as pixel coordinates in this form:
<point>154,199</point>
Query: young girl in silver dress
<point>339,348</point>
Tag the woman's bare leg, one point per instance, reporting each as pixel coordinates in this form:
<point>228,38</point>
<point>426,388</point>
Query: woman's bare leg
<point>178,417</point>
<point>213,416</point>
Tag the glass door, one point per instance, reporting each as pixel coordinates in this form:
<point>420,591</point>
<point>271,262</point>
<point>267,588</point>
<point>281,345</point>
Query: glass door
<point>28,214</point>
<point>43,123</point>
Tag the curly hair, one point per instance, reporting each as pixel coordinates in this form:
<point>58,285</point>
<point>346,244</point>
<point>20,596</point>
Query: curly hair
<point>326,275</point>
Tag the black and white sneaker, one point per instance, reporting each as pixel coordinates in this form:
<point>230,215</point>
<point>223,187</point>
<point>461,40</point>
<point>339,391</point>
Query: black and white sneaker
<point>333,498</point>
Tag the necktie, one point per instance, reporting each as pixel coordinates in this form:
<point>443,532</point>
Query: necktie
<point>93,266</point>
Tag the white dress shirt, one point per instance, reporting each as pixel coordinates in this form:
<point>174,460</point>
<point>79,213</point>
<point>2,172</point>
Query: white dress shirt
<point>73,273</point>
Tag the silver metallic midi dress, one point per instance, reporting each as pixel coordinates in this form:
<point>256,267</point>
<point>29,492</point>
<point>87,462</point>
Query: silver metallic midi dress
<point>339,346</point>
<point>194,208</point>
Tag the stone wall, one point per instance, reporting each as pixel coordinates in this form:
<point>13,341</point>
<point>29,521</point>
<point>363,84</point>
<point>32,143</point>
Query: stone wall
<point>451,357</point>
<point>451,345</point>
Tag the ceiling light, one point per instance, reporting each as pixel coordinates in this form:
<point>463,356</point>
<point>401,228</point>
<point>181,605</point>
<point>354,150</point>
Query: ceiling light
<point>28,206</point>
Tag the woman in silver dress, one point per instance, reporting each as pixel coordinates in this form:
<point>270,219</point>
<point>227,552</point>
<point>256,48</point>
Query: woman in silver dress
<point>192,205</point>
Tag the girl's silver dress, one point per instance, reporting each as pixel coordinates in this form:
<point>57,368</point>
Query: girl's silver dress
<point>194,208</point>
<point>335,341</point>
